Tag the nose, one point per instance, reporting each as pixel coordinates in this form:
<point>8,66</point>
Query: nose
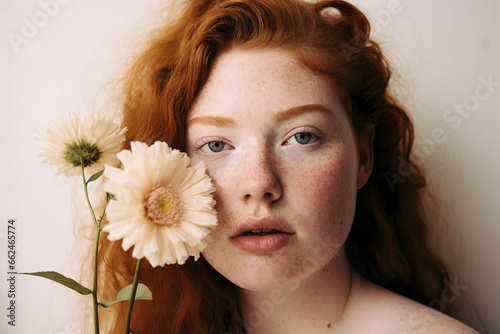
<point>259,178</point>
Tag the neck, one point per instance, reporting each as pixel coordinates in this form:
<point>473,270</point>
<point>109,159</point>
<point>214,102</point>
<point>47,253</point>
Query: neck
<point>314,304</point>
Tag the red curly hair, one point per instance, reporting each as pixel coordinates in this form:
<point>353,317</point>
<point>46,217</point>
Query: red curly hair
<point>388,242</point>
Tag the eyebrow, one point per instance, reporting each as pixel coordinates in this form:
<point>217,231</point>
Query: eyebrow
<point>227,122</point>
<point>300,110</point>
<point>219,121</point>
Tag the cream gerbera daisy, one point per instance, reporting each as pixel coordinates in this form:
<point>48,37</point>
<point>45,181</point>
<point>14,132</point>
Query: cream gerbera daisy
<point>70,136</point>
<point>161,206</point>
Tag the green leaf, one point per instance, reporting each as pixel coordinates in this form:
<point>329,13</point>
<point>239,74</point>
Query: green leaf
<point>61,279</point>
<point>79,153</point>
<point>142,293</point>
<point>95,176</point>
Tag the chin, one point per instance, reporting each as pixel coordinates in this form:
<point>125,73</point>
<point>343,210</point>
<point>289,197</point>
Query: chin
<point>264,274</point>
<point>264,282</point>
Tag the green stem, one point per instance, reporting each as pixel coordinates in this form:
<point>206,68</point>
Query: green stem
<point>132,296</point>
<point>87,197</point>
<point>94,289</point>
<point>103,212</point>
<point>97,232</point>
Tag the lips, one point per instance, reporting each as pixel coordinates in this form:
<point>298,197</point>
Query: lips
<point>262,235</point>
<point>261,232</point>
<point>262,226</point>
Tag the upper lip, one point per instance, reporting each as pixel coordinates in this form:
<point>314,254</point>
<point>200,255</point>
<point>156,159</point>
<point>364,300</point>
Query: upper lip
<point>266,223</point>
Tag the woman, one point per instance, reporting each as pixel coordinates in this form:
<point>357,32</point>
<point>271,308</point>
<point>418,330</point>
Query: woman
<point>321,228</point>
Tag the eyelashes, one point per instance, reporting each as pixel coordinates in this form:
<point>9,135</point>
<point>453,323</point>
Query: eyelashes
<point>210,145</point>
<point>301,136</point>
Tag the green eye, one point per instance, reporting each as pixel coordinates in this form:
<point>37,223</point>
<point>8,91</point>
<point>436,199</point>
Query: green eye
<point>216,146</point>
<point>303,138</point>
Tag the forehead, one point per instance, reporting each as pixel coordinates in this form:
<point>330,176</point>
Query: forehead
<point>267,80</point>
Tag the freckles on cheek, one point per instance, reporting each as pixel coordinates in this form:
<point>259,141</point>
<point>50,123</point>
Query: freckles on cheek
<point>218,195</point>
<point>333,187</point>
<point>224,200</point>
<point>218,182</point>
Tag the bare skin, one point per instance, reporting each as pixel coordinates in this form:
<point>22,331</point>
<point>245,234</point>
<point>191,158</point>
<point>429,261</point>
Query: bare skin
<point>351,305</point>
<point>282,153</point>
<point>372,309</point>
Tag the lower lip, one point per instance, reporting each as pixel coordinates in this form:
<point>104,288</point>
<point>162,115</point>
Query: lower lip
<point>262,243</point>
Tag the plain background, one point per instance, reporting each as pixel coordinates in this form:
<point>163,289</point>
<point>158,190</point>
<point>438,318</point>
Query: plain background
<point>439,50</point>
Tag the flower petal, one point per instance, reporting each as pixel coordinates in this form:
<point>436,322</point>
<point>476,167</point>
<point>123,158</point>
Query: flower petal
<point>143,169</point>
<point>70,129</point>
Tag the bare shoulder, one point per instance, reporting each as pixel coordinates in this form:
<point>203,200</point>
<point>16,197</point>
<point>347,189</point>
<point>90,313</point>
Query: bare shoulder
<point>383,311</point>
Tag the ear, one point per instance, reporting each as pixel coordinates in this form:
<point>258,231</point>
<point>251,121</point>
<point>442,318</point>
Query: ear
<point>365,152</point>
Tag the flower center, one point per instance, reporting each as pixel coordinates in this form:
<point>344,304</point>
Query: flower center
<point>163,206</point>
<point>81,151</point>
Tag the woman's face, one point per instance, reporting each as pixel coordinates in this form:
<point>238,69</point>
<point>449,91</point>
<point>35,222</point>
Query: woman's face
<point>283,157</point>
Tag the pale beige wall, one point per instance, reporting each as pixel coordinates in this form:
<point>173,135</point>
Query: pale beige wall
<point>439,48</point>
<point>444,52</point>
